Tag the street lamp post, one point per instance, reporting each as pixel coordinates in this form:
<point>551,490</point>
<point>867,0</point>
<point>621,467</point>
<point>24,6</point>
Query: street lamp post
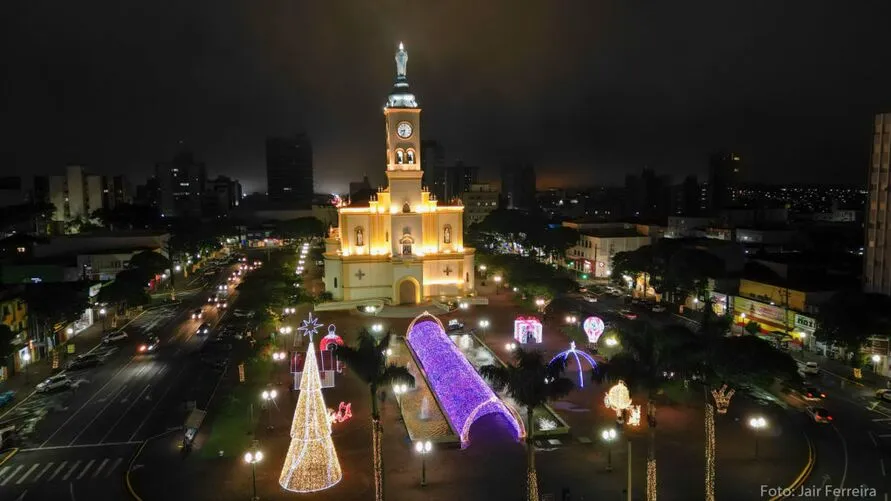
<point>757,424</point>
<point>269,396</point>
<point>572,320</point>
<point>252,458</point>
<point>497,280</point>
<point>377,328</point>
<point>102,313</point>
<point>875,363</point>
<point>540,303</point>
<point>423,448</point>
<point>26,358</point>
<point>398,390</point>
<point>510,346</point>
<point>609,435</point>
<point>484,326</point>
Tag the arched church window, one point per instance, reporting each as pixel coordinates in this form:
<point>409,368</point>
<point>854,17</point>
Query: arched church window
<point>406,207</point>
<point>447,234</point>
<point>411,156</point>
<point>387,236</point>
<point>335,282</point>
<point>360,236</point>
<point>400,157</point>
<point>406,245</point>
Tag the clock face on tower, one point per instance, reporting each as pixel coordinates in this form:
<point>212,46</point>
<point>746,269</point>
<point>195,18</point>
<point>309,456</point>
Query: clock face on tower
<point>404,130</point>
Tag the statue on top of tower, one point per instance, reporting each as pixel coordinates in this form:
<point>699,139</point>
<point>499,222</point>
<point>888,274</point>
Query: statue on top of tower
<point>401,61</point>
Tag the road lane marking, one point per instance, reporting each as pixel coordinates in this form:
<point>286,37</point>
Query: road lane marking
<point>74,467</point>
<point>884,435</point>
<point>113,466</point>
<point>47,467</point>
<point>25,475</point>
<point>873,438</point>
<point>845,470</point>
<point>71,489</point>
<point>86,469</point>
<point>169,386</point>
<point>82,407</point>
<point>78,446</point>
<point>104,408</point>
<point>7,479</point>
<point>99,469</point>
<point>879,420</point>
<point>4,470</point>
<point>57,471</point>
<point>127,411</point>
<point>22,496</point>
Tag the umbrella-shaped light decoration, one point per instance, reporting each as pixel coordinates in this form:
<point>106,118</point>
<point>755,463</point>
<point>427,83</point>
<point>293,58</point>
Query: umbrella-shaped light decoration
<point>593,327</point>
<point>573,352</point>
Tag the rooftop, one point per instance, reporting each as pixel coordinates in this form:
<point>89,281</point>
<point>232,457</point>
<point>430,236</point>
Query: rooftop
<point>611,233</point>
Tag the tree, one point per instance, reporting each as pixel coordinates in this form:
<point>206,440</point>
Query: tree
<point>752,328</point>
<point>150,261</point>
<point>531,382</point>
<point>128,216</point>
<point>744,360</point>
<point>851,317</point>
<point>53,303</point>
<point>368,360</point>
<point>127,289</point>
<point>303,227</point>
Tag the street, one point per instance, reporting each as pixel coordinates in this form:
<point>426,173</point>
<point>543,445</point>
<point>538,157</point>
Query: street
<point>81,439</point>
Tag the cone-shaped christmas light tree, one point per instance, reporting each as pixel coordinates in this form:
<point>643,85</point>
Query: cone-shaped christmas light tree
<point>311,463</point>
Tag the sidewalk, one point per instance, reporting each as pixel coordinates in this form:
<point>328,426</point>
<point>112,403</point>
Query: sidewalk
<point>844,371</point>
<point>23,382</point>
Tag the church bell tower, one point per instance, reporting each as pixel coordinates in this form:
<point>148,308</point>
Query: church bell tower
<point>403,122</point>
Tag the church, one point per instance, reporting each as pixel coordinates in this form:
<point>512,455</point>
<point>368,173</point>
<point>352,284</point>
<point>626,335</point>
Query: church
<point>402,245</point>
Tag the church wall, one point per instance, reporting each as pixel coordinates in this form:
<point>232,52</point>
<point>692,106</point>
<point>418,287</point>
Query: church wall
<point>401,222</point>
<point>453,220</point>
<point>349,223</point>
<point>333,271</point>
<point>443,277</point>
<point>467,270</point>
<point>405,190</point>
<point>412,269</point>
<point>375,281</point>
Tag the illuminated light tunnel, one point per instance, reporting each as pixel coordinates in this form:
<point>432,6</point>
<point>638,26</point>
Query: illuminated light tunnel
<point>461,392</point>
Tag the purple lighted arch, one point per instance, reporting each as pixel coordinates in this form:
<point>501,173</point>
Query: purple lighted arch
<point>462,393</point>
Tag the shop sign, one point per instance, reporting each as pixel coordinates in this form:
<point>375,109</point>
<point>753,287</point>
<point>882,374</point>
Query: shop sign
<point>805,323</point>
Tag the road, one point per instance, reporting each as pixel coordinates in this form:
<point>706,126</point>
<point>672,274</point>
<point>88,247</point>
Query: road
<point>79,442</point>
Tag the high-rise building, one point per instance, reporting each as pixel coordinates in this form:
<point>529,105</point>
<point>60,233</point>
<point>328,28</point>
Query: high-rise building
<point>116,191</point>
<point>289,173</point>
<point>877,265</point>
<point>432,160</point>
<point>687,198</point>
<point>223,194</point>
<point>723,180</point>
<point>518,185</point>
<point>75,195</point>
<point>479,201</point>
<point>647,196</point>
<point>12,191</point>
<point>450,181</point>
<point>360,186</point>
<point>181,185</point>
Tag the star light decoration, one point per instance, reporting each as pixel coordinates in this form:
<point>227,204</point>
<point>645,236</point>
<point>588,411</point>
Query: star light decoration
<point>310,327</point>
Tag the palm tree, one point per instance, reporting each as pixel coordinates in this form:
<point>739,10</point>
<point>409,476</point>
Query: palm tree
<point>368,360</point>
<point>531,382</point>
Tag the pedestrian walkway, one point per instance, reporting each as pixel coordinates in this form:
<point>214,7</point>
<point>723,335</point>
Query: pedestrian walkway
<point>60,471</point>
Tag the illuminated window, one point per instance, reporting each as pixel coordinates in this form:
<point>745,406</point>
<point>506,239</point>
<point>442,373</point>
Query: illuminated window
<point>406,245</point>
<point>399,157</point>
<point>411,156</point>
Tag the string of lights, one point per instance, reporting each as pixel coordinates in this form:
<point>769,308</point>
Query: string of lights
<point>532,480</point>
<point>376,463</point>
<point>651,479</point>
<point>709,453</point>
<point>311,463</point>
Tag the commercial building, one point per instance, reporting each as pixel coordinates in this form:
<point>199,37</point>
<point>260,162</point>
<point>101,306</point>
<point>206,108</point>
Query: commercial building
<point>289,171</point>
<point>14,314</point>
<point>116,191</point>
<point>593,254</point>
<point>181,185</point>
<point>401,245</point>
<point>222,196</point>
<point>450,181</point>
<point>479,201</point>
<point>723,180</point>
<point>518,185</point>
<point>877,265</point>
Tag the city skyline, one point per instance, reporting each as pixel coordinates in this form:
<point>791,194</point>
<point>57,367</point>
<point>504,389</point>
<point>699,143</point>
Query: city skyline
<point>635,88</point>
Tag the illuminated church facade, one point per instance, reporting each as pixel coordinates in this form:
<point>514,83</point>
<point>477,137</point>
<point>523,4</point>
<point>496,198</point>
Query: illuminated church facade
<point>402,245</point>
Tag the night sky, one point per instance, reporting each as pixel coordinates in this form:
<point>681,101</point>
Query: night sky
<point>588,91</point>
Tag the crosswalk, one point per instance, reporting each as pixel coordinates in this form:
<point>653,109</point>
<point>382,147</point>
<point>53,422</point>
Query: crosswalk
<point>59,471</point>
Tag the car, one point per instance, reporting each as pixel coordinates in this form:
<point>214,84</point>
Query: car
<point>813,394</point>
<point>114,336</point>
<point>84,362</point>
<point>659,308</point>
<point>811,368</point>
<point>454,325</point>
<point>57,382</point>
<point>819,415</point>
<point>884,394</point>
<point>150,344</point>
<point>197,314</point>
<point>6,397</point>
<point>222,305</point>
<point>591,298</point>
<point>203,329</point>
<point>630,315</point>
<point>244,313</point>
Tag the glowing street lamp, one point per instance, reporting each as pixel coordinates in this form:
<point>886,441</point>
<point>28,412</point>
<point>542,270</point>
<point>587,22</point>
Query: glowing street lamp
<point>377,328</point>
<point>178,268</point>
<point>572,319</point>
<point>252,458</point>
<point>484,325</point>
<point>269,396</point>
<point>399,389</point>
<point>389,352</point>
<point>609,435</point>
<point>611,341</point>
<point>539,302</point>
<point>757,424</point>
<point>875,363</point>
<point>423,448</point>
<point>510,346</point>
<point>497,280</point>
<point>26,361</point>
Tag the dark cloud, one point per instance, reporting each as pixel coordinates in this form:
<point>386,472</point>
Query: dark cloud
<point>588,90</point>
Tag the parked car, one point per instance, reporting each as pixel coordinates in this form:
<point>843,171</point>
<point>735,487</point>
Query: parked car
<point>659,308</point>
<point>811,368</point>
<point>884,394</point>
<point>454,325</point>
<point>203,329</point>
<point>84,362</point>
<point>630,315</point>
<point>591,298</point>
<point>6,397</point>
<point>819,415</point>
<point>57,382</point>
<point>244,313</point>
<point>114,336</point>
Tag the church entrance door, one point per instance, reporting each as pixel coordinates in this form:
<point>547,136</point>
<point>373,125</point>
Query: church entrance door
<point>408,292</point>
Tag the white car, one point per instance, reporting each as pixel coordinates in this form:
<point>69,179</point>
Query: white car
<point>244,313</point>
<point>114,336</point>
<point>658,308</point>
<point>884,394</point>
<point>57,382</point>
<point>811,368</point>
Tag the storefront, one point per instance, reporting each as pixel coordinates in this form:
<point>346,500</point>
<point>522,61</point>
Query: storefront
<point>774,322</point>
